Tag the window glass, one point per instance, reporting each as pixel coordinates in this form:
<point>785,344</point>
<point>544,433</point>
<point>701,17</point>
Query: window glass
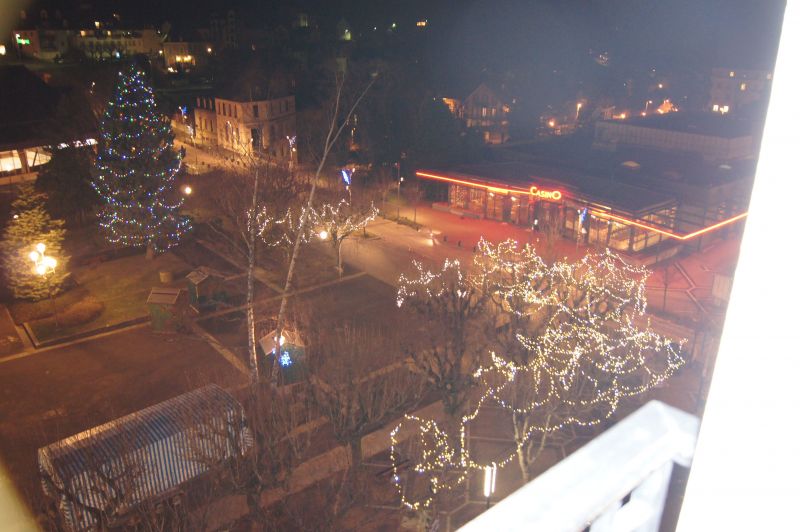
<point>9,161</point>
<point>36,157</point>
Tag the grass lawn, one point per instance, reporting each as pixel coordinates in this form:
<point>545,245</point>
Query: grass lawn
<point>122,286</point>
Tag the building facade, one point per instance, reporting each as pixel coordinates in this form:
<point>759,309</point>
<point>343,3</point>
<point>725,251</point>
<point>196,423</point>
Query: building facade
<point>99,43</point>
<point>186,55</point>
<point>247,126</point>
<point>590,210</point>
<point>486,110</point>
<point>732,89</point>
<point>43,44</point>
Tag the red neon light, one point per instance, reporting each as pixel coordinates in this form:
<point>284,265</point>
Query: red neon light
<point>670,233</point>
<point>501,190</point>
<point>534,191</point>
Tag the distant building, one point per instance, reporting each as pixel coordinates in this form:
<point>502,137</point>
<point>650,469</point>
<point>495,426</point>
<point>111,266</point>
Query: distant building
<point>99,43</point>
<point>43,44</point>
<point>248,125</point>
<point>732,89</point>
<point>715,138</point>
<point>186,55</point>
<point>224,30</point>
<point>485,109</point>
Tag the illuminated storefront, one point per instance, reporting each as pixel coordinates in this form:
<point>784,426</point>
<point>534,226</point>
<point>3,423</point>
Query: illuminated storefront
<point>595,211</point>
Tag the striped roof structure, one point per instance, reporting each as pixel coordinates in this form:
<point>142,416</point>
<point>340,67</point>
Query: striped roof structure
<point>111,468</point>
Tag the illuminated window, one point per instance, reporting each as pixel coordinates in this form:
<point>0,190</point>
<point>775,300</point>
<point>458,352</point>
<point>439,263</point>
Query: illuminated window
<point>731,74</point>
<point>715,108</point>
<point>743,87</point>
<point>2,49</point>
<point>9,161</point>
<point>36,157</point>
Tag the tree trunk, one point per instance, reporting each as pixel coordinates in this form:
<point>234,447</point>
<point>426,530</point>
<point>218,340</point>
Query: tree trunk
<point>150,254</point>
<point>251,265</point>
<point>523,466</point>
<point>339,262</point>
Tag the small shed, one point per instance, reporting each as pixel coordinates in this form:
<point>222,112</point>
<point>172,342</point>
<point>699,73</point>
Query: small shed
<point>291,356</point>
<point>144,456</point>
<point>206,288</point>
<point>167,307</point>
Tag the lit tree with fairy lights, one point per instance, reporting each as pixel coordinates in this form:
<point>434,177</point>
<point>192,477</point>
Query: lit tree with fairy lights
<point>584,345</point>
<point>136,167</point>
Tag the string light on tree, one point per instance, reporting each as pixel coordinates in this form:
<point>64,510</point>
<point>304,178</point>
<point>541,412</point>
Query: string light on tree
<point>584,345</point>
<point>136,169</point>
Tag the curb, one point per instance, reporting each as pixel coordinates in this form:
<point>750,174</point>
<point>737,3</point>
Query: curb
<point>77,336</point>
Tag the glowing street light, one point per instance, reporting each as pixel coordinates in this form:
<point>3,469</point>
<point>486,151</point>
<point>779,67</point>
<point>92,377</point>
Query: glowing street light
<point>323,235</point>
<point>42,266</point>
<point>489,482</point>
<point>578,109</point>
<point>551,123</point>
<point>187,190</point>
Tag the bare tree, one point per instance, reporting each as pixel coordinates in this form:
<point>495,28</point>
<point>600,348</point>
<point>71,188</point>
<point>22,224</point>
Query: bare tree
<point>278,436</point>
<point>454,319</point>
<point>336,125</point>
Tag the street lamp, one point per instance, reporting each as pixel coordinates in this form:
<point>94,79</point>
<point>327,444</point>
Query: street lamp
<point>489,482</point>
<point>44,266</point>
<point>398,196</point>
<point>323,235</point>
<point>187,190</point>
<point>578,110</point>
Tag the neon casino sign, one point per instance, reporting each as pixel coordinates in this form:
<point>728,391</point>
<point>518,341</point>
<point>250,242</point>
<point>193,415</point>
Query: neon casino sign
<point>545,194</point>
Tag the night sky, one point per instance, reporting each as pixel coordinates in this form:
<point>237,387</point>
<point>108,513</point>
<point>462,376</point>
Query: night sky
<point>514,33</point>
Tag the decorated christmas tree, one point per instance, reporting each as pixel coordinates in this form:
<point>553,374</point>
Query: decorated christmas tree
<point>34,264</point>
<point>136,168</point>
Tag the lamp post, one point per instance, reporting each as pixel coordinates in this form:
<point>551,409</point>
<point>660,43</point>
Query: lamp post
<point>43,266</point>
<point>398,197</point>
<point>489,482</point>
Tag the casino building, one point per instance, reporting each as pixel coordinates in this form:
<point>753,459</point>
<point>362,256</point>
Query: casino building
<point>601,211</point>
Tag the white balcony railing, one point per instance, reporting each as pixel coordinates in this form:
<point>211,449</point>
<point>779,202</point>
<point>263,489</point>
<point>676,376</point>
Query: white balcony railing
<point>632,460</point>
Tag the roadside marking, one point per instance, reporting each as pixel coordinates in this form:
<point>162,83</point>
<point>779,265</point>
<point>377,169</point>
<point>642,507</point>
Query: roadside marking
<point>29,352</point>
<point>215,344</point>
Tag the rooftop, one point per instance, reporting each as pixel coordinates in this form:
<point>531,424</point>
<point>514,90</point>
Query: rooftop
<point>575,154</point>
<point>710,124</point>
<point>599,190</point>
<point>25,108</point>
